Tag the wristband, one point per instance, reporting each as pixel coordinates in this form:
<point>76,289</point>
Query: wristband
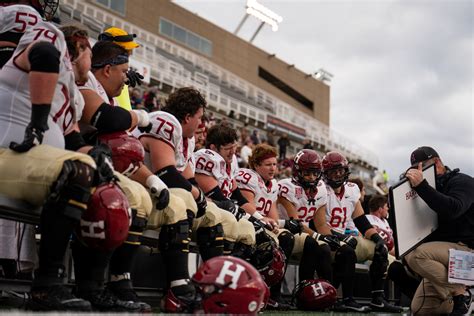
<point>257,215</point>
<point>154,181</point>
<point>142,118</point>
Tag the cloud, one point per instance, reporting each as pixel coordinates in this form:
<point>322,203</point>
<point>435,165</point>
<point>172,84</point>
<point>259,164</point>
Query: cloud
<point>403,70</point>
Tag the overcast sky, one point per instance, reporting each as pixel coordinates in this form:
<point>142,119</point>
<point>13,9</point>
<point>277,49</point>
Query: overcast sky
<point>403,70</point>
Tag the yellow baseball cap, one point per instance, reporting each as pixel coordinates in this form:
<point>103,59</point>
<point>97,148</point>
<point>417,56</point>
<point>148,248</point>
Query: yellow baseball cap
<point>119,37</point>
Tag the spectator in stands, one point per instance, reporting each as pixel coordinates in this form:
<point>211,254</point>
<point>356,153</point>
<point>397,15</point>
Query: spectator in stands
<point>150,99</point>
<point>245,152</point>
<point>211,120</point>
<point>244,133</point>
<point>271,138</point>
<point>283,143</point>
<point>378,182</point>
<point>453,201</point>
<point>307,144</point>
<point>224,121</point>
<point>255,137</point>
<point>385,177</point>
<point>136,99</point>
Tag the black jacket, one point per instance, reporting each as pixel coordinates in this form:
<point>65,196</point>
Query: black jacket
<point>453,200</point>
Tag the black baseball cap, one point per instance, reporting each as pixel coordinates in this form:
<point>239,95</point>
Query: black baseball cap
<point>422,154</point>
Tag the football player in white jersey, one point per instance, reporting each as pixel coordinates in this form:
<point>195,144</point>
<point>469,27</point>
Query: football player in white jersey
<point>109,63</point>
<point>343,203</point>
<point>216,168</point>
<point>378,208</point>
<point>170,146</point>
<point>259,188</point>
<point>300,197</point>
<point>106,80</point>
<point>39,99</point>
<point>16,20</point>
<point>16,17</point>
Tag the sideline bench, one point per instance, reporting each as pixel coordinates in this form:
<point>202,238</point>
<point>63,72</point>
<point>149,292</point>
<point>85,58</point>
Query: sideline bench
<point>147,275</point>
<point>18,210</point>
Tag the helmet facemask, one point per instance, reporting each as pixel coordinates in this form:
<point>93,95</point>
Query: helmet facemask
<point>47,8</point>
<point>336,180</point>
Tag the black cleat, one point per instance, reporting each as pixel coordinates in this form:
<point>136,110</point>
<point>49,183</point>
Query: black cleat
<point>348,304</point>
<point>462,304</point>
<point>56,298</point>
<point>380,304</point>
<point>106,301</point>
<point>124,291</point>
<point>278,305</point>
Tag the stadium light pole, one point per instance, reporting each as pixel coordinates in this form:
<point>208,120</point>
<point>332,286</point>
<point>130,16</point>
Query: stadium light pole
<point>323,75</point>
<point>262,13</point>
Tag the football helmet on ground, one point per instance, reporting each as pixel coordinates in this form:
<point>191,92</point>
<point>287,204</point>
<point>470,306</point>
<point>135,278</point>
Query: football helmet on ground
<point>316,294</point>
<point>229,285</point>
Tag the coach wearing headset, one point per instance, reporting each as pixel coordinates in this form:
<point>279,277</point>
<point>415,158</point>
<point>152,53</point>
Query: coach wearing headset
<point>453,201</point>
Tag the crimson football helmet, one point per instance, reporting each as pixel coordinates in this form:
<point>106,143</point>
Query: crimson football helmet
<point>306,161</point>
<point>104,224</point>
<point>387,237</point>
<point>229,285</point>
<point>335,161</point>
<point>314,295</point>
<point>128,153</point>
<point>269,259</point>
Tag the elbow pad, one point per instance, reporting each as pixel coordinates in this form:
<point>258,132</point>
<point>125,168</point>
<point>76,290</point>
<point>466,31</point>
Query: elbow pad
<point>237,196</point>
<point>173,179</point>
<point>216,194</point>
<point>362,224</point>
<point>44,57</point>
<point>109,119</point>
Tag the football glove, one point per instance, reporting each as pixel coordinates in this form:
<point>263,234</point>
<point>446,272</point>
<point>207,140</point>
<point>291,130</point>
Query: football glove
<point>231,207</point>
<point>103,159</point>
<point>201,203</point>
<point>295,226</point>
<point>331,240</point>
<point>347,239</point>
<point>33,137</point>
<point>159,191</point>
<point>134,78</point>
